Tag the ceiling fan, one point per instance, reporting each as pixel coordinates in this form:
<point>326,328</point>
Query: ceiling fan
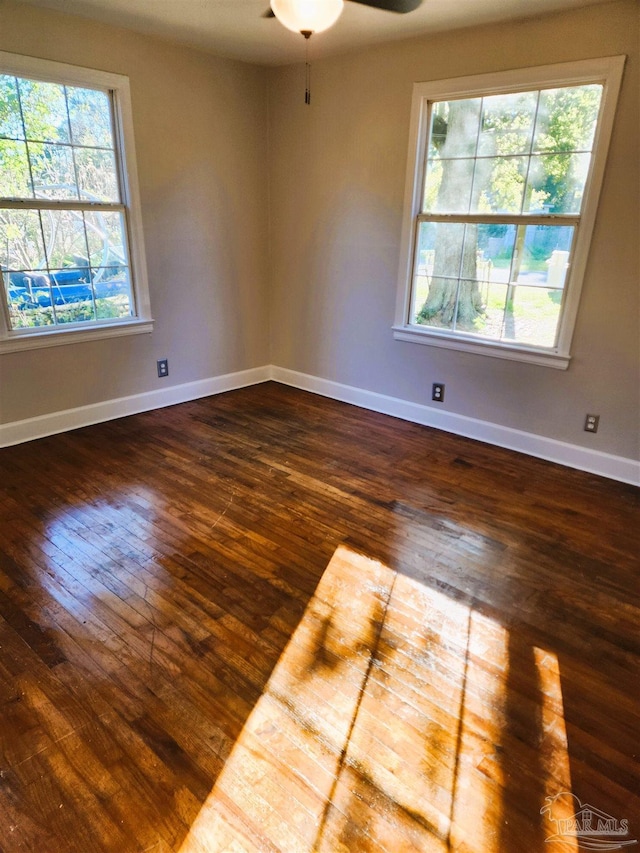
<point>314,16</point>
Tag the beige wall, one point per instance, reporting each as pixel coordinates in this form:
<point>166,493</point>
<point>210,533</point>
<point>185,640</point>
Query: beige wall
<point>337,184</point>
<point>330,185</point>
<point>200,130</point>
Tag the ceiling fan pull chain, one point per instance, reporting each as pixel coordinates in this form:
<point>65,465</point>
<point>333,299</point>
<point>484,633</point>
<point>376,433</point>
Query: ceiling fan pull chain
<point>307,72</point>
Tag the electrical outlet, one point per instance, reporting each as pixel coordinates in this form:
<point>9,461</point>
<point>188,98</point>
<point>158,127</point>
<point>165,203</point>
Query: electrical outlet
<point>437,392</point>
<point>163,367</point>
<point>591,423</point>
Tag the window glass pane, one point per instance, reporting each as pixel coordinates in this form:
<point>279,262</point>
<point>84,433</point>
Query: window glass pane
<point>438,129</point>
<point>507,124</point>
<point>44,108</point>
<point>532,315</point>
<point>544,258</point>
<point>15,181</point>
<point>53,171</point>
<point>556,183</point>
<point>440,246</point>
<point>21,246</point>
<point>90,117</point>
<point>65,240</point>
<point>425,248</point>
<point>106,239</point>
<point>494,251</point>
<point>97,174</point>
<point>435,302</point>
<point>455,126</point>
<point>16,287</point>
<point>448,186</point>
<point>25,310</point>
<point>10,120</point>
<point>498,185</point>
<point>484,310</point>
<point>433,179</point>
<point>470,307</point>
<point>113,292</point>
<point>567,119</point>
<point>419,293</point>
<point>72,295</point>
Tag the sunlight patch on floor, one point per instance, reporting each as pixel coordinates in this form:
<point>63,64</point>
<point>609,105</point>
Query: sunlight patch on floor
<point>554,749</point>
<point>381,728</point>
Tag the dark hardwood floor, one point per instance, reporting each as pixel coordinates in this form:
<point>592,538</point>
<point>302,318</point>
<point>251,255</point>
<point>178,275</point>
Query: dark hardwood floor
<point>267,621</point>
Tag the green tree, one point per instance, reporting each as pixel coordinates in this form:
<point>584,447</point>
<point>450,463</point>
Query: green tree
<point>455,251</point>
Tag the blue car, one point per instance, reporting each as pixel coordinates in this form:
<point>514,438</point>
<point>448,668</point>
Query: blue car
<point>39,290</point>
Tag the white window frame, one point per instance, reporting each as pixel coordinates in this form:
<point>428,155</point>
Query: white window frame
<point>117,86</point>
<point>606,71</point>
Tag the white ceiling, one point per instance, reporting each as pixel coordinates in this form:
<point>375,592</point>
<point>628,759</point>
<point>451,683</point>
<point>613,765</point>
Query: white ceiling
<point>236,28</point>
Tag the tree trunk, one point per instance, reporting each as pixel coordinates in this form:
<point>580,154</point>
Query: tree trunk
<point>455,249</point>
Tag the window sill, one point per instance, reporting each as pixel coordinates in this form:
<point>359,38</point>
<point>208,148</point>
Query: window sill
<point>490,348</point>
<point>63,337</point>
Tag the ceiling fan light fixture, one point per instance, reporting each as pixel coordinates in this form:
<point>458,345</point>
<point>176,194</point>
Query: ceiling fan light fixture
<point>307,16</point>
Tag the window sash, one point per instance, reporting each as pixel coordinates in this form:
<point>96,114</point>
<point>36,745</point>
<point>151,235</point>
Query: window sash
<point>61,204</point>
<point>497,285</point>
<point>501,218</point>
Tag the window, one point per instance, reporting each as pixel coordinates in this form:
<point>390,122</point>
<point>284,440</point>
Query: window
<point>502,186</point>
<point>71,253</point>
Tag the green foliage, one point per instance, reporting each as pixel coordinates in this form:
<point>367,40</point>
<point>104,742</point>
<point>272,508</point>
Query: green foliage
<point>25,316</point>
<point>569,118</point>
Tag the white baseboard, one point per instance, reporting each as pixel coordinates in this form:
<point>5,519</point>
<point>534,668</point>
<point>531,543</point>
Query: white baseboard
<point>571,455</point>
<point>39,427</point>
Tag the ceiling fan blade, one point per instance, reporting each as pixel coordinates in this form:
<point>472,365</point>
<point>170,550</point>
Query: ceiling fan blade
<point>401,6</point>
